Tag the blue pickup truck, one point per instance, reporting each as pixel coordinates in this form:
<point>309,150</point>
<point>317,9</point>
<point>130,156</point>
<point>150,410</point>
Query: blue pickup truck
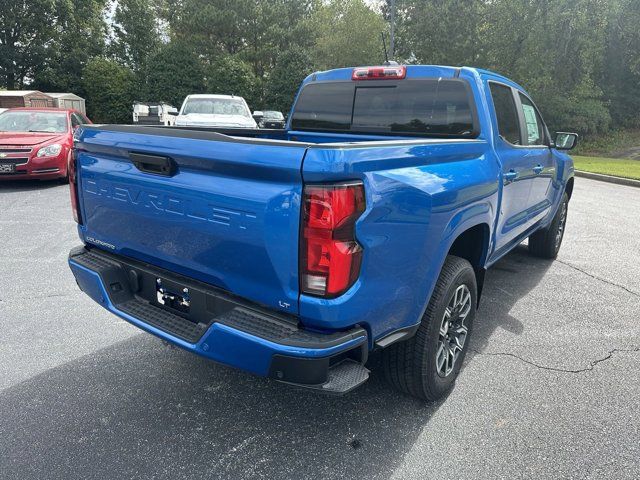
<point>367,223</point>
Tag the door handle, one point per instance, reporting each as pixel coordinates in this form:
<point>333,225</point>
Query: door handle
<point>538,169</point>
<point>510,176</point>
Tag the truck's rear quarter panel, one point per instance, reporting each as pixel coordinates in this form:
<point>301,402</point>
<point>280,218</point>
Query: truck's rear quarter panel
<point>420,195</point>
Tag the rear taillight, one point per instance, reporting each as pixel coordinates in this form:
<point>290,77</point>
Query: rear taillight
<point>395,72</point>
<point>73,185</point>
<point>330,256</point>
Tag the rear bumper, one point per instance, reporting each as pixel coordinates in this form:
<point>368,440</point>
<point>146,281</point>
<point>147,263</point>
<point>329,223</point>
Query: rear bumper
<point>219,326</point>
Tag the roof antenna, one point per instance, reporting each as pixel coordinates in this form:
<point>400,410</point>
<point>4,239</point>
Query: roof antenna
<point>384,47</point>
<point>387,62</point>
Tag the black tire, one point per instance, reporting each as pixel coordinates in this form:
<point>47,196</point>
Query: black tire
<point>546,243</point>
<point>412,366</point>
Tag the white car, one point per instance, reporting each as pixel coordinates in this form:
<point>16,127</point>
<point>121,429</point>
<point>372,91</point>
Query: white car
<point>3,110</point>
<point>215,111</point>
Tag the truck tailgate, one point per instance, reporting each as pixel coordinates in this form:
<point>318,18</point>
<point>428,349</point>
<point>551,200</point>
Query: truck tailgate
<point>226,214</point>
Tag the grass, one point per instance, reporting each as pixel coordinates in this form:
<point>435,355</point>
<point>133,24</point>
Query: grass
<point>618,167</point>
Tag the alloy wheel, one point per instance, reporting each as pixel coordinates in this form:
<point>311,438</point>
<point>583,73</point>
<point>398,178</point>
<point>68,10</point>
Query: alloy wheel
<point>453,331</point>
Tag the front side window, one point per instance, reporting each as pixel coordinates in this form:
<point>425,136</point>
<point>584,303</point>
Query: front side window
<point>506,113</point>
<point>533,122</point>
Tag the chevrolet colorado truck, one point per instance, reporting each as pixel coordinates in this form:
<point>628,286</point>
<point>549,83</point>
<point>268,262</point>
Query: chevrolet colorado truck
<point>367,223</point>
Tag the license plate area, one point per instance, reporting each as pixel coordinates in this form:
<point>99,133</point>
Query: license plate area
<point>7,168</point>
<point>173,296</point>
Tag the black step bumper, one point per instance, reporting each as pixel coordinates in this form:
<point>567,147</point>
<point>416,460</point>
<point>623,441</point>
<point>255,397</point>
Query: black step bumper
<point>221,326</point>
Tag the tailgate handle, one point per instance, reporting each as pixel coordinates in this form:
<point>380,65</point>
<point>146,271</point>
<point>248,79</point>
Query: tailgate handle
<point>154,164</point>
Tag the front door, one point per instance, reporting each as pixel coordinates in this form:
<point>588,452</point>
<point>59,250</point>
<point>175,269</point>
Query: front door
<point>539,158</point>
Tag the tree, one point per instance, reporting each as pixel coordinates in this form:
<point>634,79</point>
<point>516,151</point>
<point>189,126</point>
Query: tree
<point>439,32</point>
<point>285,78</point>
<point>210,27</point>
<point>256,31</point>
<point>26,31</point>
<point>111,91</point>
<point>347,34</point>
<point>81,37</point>
<point>172,73</point>
<point>620,78</point>
<point>229,75</point>
<point>554,49</point>
<point>136,32</point>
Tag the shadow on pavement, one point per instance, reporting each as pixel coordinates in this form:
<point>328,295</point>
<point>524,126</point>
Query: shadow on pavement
<point>509,280</point>
<point>138,409</point>
<point>27,185</point>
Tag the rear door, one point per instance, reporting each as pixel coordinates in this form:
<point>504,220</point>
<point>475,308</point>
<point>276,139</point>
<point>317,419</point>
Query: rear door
<point>537,153</point>
<point>225,212</point>
<point>517,175</point>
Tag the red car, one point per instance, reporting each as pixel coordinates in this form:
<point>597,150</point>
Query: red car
<point>35,143</point>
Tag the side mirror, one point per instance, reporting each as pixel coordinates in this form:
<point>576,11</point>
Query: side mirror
<point>565,140</point>
<point>175,114</point>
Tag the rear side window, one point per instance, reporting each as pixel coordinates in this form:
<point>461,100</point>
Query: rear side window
<point>440,107</point>
<point>506,113</point>
<point>533,122</point>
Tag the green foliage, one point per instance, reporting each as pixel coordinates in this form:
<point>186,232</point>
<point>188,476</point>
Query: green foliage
<point>110,91</point>
<point>439,32</point>
<point>621,72</point>
<point>229,75</point>
<point>617,143</point>
<point>136,32</point>
<point>25,28</point>
<point>347,34</point>
<point>172,73</point>
<point>81,34</point>
<point>285,78</point>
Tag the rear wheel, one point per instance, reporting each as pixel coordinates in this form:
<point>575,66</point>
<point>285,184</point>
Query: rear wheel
<point>546,243</point>
<point>426,365</point>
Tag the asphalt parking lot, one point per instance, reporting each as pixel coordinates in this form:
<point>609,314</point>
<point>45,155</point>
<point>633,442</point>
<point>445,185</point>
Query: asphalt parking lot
<point>550,389</point>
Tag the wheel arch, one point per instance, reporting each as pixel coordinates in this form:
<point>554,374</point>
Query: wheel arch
<point>569,187</point>
<point>473,245</point>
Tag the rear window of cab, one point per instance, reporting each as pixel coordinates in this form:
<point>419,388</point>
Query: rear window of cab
<point>421,107</point>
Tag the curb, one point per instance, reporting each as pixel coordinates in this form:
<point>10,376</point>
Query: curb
<point>608,178</point>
